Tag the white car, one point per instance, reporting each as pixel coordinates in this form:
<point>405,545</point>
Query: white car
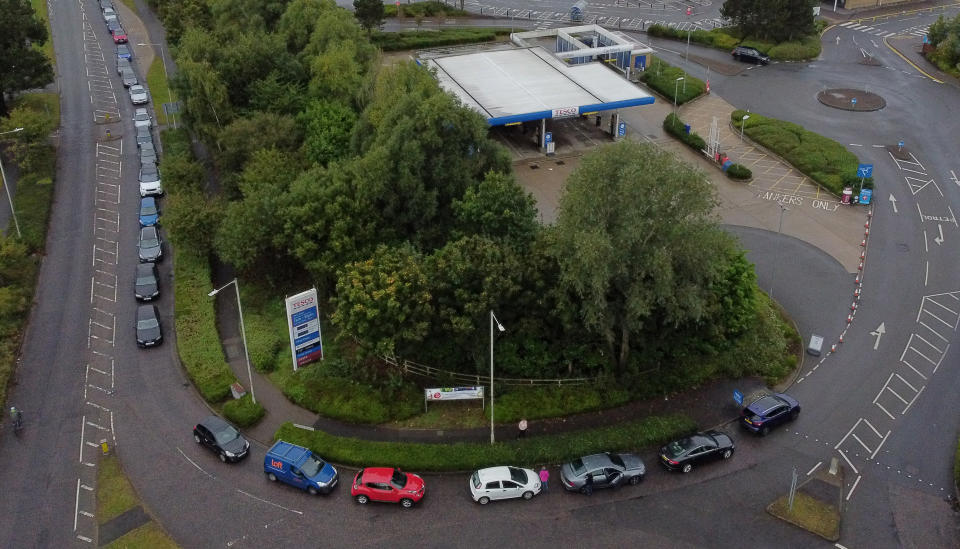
<point>141,118</point>
<point>139,95</point>
<point>493,483</point>
<point>150,181</point>
<point>109,15</point>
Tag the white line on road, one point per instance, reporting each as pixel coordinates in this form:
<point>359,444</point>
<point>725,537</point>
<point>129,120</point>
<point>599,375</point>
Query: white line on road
<point>195,464</point>
<point>270,502</point>
<point>926,275</point>
<point>914,399</point>
<point>83,427</point>
<point>855,483</point>
<point>810,472</point>
<point>926,247</point>
<point>884,410</point>
<point>76,506</point>
<point>881,445</point>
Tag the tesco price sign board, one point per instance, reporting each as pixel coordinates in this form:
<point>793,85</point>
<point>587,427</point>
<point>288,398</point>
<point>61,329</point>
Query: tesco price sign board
<point>453,393</point>
<point>303,320</point>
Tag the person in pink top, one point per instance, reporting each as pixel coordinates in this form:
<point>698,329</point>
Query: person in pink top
<point>544,478</point>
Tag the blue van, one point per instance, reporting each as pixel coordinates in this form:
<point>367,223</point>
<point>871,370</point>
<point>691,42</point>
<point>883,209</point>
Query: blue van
<point>298,467</point>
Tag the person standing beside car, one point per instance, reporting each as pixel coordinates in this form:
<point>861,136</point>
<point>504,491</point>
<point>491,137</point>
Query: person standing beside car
<point>544,478</point>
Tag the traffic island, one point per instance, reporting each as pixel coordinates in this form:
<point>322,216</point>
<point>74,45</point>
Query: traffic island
<point>817,504</point>
<point>849,99</point>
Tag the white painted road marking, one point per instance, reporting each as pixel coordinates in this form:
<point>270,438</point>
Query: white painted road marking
<point>879,333</point>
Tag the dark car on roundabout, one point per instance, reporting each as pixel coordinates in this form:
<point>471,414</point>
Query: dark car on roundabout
<point>743,53</point>
<point>697,449</point>
<point>607,470</point>
<point>768,412</point>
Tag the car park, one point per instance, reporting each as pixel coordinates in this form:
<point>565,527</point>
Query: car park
<point>606,470</point>
<point>149,180</point>
<point>150,246</point>
<point>123,52</point>
<point>128,77</point>
<point>141,117</point>
<point>146,287</point>
<point>149,332</point>
<point>148,155</point>
<point>682,455</point>
<point>298,466</point>
<point>144,135</point>
<point>768,412</point>
<point>123,63</point>
<point>495,483</point>
<point>221,438</point>
<point>743,53</point>
<point>387,485</point>
<point>139,95</point>
<point>149,211</point>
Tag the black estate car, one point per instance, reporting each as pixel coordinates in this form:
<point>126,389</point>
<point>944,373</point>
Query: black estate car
<point>743,53</point>
<point>221,438</point>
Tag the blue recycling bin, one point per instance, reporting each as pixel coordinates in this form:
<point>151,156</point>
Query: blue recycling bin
<point>686,128</point>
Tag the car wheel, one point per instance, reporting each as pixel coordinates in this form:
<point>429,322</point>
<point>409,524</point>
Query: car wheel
<point>636,479</point>
<point>527,495</point>
<point>484,500</point>
<point>362,499</point>
<point>406,503</point>
<point>686,468</point>
<point>764,431</point>
<point>223,457</point>
<point>727,453</point>
<point>794,415</point>
<point>312,491</point>
<point>272,477</point>
<point>196,438</point>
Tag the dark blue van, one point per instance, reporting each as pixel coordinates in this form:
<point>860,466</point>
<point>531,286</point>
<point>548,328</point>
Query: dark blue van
<point>298,466</point>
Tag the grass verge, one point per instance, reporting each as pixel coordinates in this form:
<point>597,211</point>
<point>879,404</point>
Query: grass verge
<point>148,536</point>
<point>810,514</point>
<point>662,77</point>
<point>409,40</point>
<point>464,456</point>
<point>115,496</point>
<point>822,159</point>
<point>515,403</point>
<point>40,8</point>
<point>131,4</point>
<point>160,88</point>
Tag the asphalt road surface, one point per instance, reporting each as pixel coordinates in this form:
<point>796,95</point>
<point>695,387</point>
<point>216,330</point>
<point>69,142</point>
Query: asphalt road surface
<point>83,379</point>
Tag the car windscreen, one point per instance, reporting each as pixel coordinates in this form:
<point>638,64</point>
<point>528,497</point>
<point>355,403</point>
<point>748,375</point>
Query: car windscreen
<point>225,434</point>
<point>518,475</point>
<point>147,324</point>
<point>148,209</point>
<point>615,459</point>
<point>145,278</point>
<point>578,467</point>
<point>149,238</point>
<point>677,447</point>
<point>398,479</point>
<point>312,466</point>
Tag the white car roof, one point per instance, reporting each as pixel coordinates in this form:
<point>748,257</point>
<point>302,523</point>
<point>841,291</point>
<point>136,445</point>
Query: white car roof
<point>141,110</point>
<point>494,473</point>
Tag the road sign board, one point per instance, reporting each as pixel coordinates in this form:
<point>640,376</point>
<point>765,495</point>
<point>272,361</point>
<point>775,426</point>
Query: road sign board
<point>853,100</point>
<point>738,396</point>
<point>622,129</point>
<point>548,137</point>
<point>865,170</point>
<point>865,196</point>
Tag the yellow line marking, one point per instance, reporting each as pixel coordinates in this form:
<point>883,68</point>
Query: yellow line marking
<point>912,64</point>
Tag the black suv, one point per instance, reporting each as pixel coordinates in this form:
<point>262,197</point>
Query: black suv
<point>222,438</point>
<point>743,53</point>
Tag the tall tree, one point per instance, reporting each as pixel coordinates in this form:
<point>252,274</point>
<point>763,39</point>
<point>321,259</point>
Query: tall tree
<point>22,66</point>
<point>370,13</point>
<point>636,244</point>
<point>498,208</point>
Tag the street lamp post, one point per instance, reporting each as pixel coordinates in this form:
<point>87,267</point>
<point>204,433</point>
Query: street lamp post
<point>3,176</point>
<point>676,86</point>
<point>773,279</point>
<point>493,320</point>
<point>163,59</point>
<point>243,332</point>
<point>743,122</point>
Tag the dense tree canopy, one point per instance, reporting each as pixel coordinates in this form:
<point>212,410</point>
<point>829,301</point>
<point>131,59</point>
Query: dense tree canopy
<point>944,34</point>
<point>777,20</point>
<point>22,65</point>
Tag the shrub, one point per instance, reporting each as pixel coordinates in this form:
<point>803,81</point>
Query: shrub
<point>822,159</point>
<point>727,38</point>
<point>267,338</point>
<point>797,50</point>
<point>516,403</point>
<point>424,9</point>
<point>410,40</point>
<point>243,412</point>
<point>465,456</point>
<point>662,77</point>
<point>675,127</point>
<point>739,171</point>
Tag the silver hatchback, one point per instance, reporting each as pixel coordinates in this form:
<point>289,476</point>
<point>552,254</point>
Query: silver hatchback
<point>606,470</point>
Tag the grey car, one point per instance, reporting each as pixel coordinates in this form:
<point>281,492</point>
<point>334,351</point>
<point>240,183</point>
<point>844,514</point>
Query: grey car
<point>607,470</point>
<point>147,285</point>
<point>128,76</point>
<point>148,155</point>
<point>144,135</point>
<point>150,247</point>
<point>123,63</point>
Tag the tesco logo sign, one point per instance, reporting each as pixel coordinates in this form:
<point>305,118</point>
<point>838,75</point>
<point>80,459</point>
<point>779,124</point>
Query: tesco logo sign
<point>566,112</point>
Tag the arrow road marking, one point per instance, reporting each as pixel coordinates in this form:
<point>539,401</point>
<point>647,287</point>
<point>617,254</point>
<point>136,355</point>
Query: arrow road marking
<point>881,329</point>
<point>893,202</point>
<point>939,239</point>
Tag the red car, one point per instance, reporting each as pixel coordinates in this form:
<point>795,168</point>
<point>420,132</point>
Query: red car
<point>388,485</point>
<point>119,36</point>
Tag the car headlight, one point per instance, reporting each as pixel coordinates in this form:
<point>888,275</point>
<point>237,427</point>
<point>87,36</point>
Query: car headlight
<point>229,453</point>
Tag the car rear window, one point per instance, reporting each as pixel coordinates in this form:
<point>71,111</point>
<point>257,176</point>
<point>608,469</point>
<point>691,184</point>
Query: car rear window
<point>615,459</point>
<point>518,475</point>
<point>675,448</point>
<point>578,467</point>
<point>475,479</point>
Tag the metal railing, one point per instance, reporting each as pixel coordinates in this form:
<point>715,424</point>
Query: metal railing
<point>410,367</point>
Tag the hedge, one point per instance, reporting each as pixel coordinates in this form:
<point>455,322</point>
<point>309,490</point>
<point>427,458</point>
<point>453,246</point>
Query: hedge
<point>662,77</point>
<point>739,171</point>
<point>822,159</point>
<point>243,412</point>
<point>725,39</point>
<point>468,456</point>
<point>423,9</point>
<point>675,127</point>
<point>411,40</point>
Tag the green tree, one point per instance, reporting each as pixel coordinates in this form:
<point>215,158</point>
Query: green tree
<point>299,21</point>
<point>192,220</point>
<point>28,147</point>
<point>245,136</point>
<point>327,125</point>
<point>497,208</point>
<point>384,301</point>
<point>636,244</point>
<point>778,20</point>
<point>370,13</point>
<point>22,66</point>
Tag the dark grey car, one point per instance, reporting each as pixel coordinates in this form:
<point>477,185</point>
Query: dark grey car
<point>123,63</point>
<point>149,333</point>
<point>128,77</point>
<point>221,438</point>
<point>147,285</point>
<point>607,470</point>
<point>148,155</point>
<point>144,136</point>
<point>150,247</point>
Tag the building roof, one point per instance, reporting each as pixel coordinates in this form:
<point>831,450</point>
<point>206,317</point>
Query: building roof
<point>516,85</point>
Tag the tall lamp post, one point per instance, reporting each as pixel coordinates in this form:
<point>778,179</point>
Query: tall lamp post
<point>243,332</point>
<point>493,320</point>
<point>743,122</point>
<point>676,86</point>
<point>6,188</point>
<point>773,280</point>
<point>163,59</point>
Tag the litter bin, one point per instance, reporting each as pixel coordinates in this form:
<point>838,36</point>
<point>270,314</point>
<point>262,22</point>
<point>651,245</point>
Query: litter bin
<point>847,195</point>
<point>686,128</point>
